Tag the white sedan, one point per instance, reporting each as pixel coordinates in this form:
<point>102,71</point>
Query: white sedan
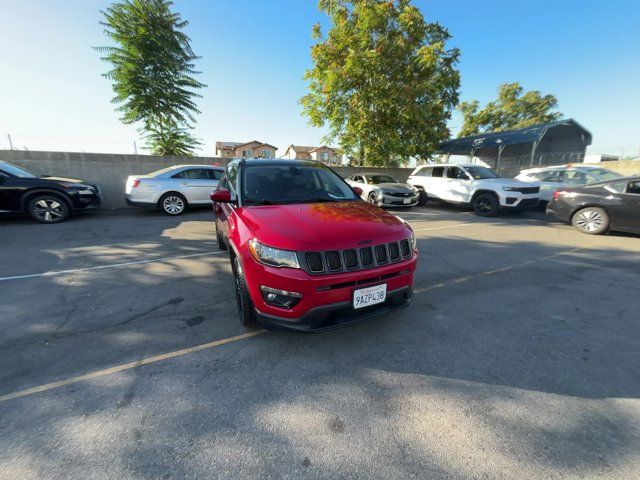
<point>385,191</point>
<point>555,177</point>
<point>173,189</point>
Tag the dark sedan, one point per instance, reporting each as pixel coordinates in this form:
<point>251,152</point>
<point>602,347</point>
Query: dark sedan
<point>599,207</point>
<point>46,199</point>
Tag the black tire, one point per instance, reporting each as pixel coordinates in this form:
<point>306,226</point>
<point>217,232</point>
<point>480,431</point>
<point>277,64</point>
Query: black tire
<point>243,300</point>
<point>423,199</point>
<point>486,205</point>
<point>371,198</point>
<point>591,220</point>
<point>49,208</point>
<point>173,204</point>
<point>221,244</point>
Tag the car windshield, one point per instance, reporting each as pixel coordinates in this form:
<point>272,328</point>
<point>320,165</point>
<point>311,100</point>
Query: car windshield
<point>377,179</point>
<point>602,175</point>
<point>280,184</point>
<point>480,173</point>
<point>16,171</point>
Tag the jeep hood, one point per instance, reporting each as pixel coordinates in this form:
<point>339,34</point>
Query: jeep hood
<point>322,226</point>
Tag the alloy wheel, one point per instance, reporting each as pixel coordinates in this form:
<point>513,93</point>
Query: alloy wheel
<point>484,205</point>
<point>589,220</point>
<point>173,205</point>
<point>48,210</point>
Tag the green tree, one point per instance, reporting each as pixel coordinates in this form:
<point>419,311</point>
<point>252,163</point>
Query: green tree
<point>383,80</point>
<point>512,109</point>
<point>152,72</point>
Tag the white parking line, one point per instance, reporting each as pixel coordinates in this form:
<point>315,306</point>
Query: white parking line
<point>127,366</point>
<point>99,267</point>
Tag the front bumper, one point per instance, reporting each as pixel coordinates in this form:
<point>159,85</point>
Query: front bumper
<point>518,201</point>
<point>393,201</point>
<point>337,315</point>
<point>86,201</point>
<point>326,301</point>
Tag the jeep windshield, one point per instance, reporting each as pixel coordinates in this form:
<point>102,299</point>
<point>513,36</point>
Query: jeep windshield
<point>480,173</point>
<point>282,184</point>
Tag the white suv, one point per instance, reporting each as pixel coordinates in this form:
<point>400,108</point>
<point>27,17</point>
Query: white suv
<point>473,185</point>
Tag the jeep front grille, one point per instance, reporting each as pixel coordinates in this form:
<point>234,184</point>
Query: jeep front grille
<point>314,262</point>
<point>336,261</point>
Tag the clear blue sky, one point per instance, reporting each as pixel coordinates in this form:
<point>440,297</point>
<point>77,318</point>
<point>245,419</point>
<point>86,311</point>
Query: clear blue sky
<point>254,53</point>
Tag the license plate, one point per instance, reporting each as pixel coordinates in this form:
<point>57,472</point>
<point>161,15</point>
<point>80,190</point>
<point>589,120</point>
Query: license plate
<point>365,297</point>
<point>407,200</point>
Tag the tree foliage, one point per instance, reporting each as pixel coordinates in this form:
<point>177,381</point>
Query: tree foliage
<point>383,80</point>
<point>152,72</point>
<point>512,109</point>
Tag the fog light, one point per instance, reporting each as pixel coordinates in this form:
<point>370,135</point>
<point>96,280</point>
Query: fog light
<point>280,298</point>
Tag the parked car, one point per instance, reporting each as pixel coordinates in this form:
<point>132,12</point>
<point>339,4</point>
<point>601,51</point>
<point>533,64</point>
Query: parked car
<point>473,185</point>
<point>599,207</point>
<point>306,253</point>
<point>553,178</point>
<point>46,199</point>
<point>383,190</point>
<point>173,189</point>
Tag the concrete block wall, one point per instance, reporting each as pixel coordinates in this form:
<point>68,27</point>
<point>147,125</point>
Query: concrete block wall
<point>110,171</point>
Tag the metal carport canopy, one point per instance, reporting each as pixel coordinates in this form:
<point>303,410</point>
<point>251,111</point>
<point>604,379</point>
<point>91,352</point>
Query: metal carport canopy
<point>534,133</point>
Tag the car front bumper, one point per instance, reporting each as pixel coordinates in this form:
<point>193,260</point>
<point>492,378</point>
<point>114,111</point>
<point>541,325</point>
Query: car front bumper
<point>392,201</point>
<point>518,201</point>
<point>337,315</point>
<point>326,301</point>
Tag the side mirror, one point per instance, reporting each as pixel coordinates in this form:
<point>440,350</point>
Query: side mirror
<point>358,191</point>
<point>221,196</point>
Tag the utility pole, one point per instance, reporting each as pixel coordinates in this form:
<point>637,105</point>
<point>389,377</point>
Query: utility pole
<point>135,148</point>
<point>10,142</point>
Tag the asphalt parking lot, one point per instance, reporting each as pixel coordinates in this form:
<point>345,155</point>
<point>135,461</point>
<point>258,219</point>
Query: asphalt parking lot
<point>121,357</point>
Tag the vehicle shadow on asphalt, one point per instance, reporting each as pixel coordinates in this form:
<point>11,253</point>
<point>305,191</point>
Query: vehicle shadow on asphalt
<point>517,372</point>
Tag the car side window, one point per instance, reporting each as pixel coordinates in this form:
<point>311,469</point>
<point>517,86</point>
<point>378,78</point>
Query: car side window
<point>575,177</point>
<point>457,173</point>
<point>424,172</point>
<point>549,176</point>
<point>633,188</point>
<point>616,187</point>
<point>358,179</point>
<point>215,174</point>
<point>437,172</point>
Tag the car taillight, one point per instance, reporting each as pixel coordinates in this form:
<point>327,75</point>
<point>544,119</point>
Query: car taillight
<point>135,183</point>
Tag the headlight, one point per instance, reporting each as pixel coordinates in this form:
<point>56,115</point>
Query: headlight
<point>511,189</point>
<point>412,238</point>
<point>273,257</point>
<point>86,191</point>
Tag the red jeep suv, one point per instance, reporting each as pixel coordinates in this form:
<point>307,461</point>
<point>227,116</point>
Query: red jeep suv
<point>307,254</point>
